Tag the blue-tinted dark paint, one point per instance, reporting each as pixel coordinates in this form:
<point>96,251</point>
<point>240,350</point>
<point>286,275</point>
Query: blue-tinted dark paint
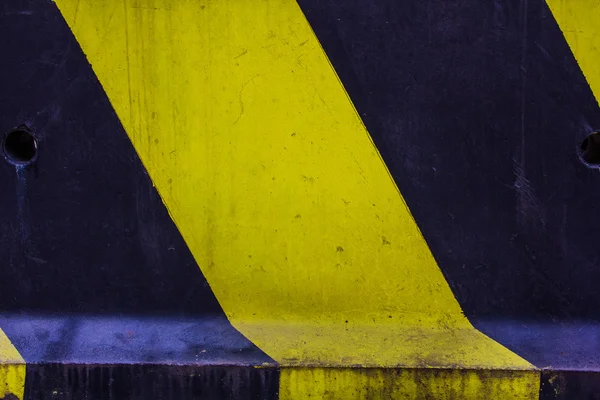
<point>560,345</point>
<point>129,340</point>
<point>139,358</point>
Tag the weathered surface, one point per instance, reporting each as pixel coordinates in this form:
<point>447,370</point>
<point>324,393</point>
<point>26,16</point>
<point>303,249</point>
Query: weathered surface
<point>194,208</point>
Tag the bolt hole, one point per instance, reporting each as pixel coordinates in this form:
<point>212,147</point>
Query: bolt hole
<point>20,146</point>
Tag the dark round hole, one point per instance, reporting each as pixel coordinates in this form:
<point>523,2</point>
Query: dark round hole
<point>20,146</point>
<point>590,149</point>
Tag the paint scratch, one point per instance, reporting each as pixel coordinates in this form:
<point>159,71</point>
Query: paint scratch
<point>527,203</point>
<point>241,54</point>
<point>240,98</point>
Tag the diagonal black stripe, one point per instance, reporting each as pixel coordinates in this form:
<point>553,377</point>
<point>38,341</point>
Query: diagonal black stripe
<point>82,228</point>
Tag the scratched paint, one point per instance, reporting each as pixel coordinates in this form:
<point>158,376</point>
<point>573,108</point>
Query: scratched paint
<point>21,199</point>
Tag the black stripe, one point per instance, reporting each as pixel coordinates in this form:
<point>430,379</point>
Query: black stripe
<point>141,382</point>
<point>569,385</point>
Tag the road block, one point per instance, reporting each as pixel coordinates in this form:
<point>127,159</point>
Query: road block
<point>281,199</point>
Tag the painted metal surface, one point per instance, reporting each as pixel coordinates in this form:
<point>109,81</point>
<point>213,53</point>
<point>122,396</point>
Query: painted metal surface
<point>274,183</point>
<point>495,105</point>
<point>281,199</point>
<point>95,272</point>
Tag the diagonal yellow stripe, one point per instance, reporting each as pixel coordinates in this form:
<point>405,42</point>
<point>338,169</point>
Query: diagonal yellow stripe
<point>12,369</point>
<point>274,183</point>
<point>578,20</point>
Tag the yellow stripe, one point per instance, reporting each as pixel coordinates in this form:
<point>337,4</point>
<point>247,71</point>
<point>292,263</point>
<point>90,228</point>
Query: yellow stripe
<point>12,369</point>
<point>275,184</point>
<point>578,20</point>
<point>375,383</point>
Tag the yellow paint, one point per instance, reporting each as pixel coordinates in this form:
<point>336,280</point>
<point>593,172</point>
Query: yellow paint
<point>578,20</point>
<point>387,345</point>
<point>416,384</point>
<point>12,369</point>
<point>275,184</point>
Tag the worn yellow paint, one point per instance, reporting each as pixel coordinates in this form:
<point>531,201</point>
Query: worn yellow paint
<point>387,345</point>
<point>578,20</point>
<point>12,369</point>
<point>416,384</point>
<point>275,184</point>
